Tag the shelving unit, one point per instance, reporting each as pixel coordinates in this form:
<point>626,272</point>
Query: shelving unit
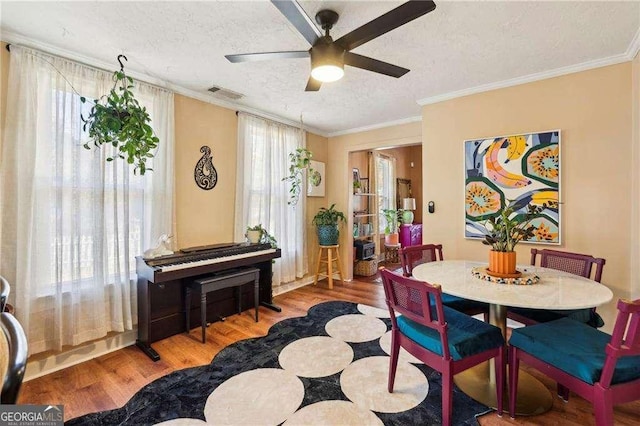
<point>365,221</point>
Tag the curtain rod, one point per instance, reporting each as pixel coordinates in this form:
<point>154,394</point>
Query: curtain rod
<point>270,119</point>
<point>8,47</point>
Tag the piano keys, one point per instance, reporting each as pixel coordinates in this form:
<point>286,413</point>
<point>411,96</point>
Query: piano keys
<point>162,281</point>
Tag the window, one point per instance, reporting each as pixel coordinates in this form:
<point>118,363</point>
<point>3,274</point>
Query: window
<point>385,185</point>
<point>72,223</point>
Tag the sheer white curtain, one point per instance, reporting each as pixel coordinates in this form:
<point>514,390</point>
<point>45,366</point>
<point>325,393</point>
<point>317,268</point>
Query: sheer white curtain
<point>261,195</point>
<point>72,223</point>
<point>384,170</point>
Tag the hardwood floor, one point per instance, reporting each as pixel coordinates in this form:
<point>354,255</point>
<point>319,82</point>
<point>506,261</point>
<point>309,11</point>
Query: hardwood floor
<point>111,380</point>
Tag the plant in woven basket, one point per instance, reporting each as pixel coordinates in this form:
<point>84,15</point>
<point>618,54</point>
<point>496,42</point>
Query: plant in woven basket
<point>118,119</point>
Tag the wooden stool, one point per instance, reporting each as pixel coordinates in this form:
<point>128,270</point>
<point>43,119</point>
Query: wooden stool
<point>391,253</point>
<point>329,261</point>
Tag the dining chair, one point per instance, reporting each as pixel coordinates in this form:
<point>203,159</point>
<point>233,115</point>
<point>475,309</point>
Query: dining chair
<point>603,369</point>
<point>442,338</point>
<point>574,263</point>
<point>16,357</point>
<point>411,256</point>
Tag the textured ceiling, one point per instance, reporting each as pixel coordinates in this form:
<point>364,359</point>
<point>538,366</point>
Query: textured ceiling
<point>458,46</point>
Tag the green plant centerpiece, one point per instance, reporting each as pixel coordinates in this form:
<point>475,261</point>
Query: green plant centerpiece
<point>119,120</point>
<point>327,221</point>
<point>503,231</point>
<point>392,219</point>
<point>299,162</point>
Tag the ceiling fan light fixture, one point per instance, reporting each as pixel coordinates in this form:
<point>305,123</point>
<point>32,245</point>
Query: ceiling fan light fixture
<point>327,73</point>
<point>327,62</point>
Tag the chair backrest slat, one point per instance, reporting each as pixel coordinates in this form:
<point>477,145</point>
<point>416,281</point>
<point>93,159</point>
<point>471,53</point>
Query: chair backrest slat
<point>411,256</point>
<point>419,301</point>
<point>574,263</point>
<point>625,339</point>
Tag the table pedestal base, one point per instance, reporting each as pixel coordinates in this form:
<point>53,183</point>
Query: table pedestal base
<point>533,397</point>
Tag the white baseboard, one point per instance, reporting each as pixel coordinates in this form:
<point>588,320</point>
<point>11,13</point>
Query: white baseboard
<point>38,366</point>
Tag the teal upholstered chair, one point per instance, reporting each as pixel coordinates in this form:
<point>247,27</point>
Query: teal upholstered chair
<point>412,256</point>
<point>602,369</point>
<point>574,263</point>
<point>444,339</point>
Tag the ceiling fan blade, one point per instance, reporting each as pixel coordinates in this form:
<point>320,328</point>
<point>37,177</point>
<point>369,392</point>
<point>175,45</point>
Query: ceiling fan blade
<point>374,65</point>
<point>313,85</point>
<point>383,24</point>
<point>297,16</point>
<point>265,56</point>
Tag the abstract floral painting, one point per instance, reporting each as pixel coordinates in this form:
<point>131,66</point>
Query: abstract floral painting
<point>522,169</point>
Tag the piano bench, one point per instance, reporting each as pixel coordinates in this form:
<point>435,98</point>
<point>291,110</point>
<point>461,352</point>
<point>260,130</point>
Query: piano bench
<point>204,285</point>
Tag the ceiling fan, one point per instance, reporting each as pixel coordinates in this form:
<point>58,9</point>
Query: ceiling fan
<point>328,57</point>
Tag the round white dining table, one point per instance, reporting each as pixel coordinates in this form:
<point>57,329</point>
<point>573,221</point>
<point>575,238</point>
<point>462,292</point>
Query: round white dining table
<point>555,290</point>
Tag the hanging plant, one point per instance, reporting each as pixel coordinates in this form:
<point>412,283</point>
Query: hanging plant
<point>300,160</point>
<point>118,119</point>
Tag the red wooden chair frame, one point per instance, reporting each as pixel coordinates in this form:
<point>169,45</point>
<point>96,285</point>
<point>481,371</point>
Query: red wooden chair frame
<point>411,255</point>
<point>556,259</point>
<point>602,394</point>
<point>416,305</point>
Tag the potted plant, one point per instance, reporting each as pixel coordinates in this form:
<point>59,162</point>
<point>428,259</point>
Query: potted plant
<point>356,187</point>
<point>119,120</point>
<point>257,234</point>
<point>327,221</point>
<point>300,160</point>
<point>504,231</point>
<point>254,233</point>
<point>391,229</point>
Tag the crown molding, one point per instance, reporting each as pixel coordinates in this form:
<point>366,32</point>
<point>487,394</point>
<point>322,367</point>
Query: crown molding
<point>584,66</point>
<point>17,39</point>
<point>634,47</point>
<point>377,126</point>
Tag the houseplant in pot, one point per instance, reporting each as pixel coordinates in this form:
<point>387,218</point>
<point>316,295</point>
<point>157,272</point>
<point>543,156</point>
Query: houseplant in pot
<point>119,120</point>
<point>504,231</point>
<point>327,221</point>
<point>257,234</point>
<point>391,216</point>
<point>299,162</point>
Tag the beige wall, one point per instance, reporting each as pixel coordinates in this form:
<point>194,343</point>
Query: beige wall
<point>204,217</point>
<point>339,171</point>
<point>318,146</point>
<point>593,111</point>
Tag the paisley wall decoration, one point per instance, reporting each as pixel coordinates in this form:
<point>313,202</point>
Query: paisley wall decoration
<point>522,168</point>
<point>205,174</point>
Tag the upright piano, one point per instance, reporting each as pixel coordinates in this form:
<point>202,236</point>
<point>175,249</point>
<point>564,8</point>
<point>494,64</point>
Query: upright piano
<point>162,280</point>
